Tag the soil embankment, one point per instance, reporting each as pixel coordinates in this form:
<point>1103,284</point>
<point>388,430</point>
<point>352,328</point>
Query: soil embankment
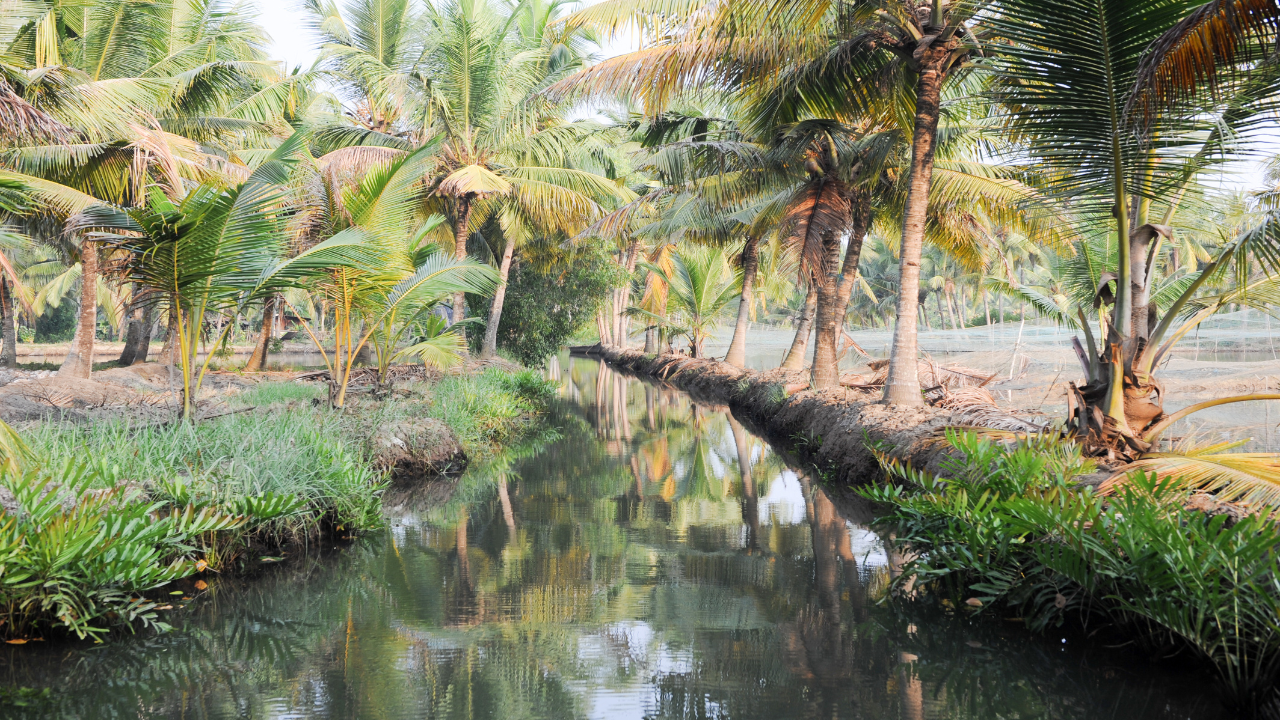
<point>832,429</point>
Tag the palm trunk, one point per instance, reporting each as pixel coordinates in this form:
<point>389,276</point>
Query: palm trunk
<point>903,384</point>
<point>79,362</point>
<point>831,314</point>
<point>462,222</point>
<point>621,323</point>
<point>9,353</point>
<point>986,308</point>
<point>137,341</point>
<point>800,345</point>
<point>490,347</point>
<point>169,351</point>
<point>650,340</point>
<point>737,355</point>
<point>258,360</point>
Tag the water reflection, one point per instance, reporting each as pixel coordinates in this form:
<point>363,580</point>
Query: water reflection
<point>656,561</point>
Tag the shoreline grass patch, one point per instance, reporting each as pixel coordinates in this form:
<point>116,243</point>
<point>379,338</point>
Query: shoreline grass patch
<point>96,519</point>
<point>1008,529</point>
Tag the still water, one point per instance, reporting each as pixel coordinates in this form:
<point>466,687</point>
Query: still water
<point>654,561</point>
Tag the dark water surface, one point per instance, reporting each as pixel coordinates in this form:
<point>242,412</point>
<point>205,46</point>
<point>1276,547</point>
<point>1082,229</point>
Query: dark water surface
<point>657,561</point>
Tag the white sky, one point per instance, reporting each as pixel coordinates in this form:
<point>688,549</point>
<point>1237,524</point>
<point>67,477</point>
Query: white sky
<point>294,43</point>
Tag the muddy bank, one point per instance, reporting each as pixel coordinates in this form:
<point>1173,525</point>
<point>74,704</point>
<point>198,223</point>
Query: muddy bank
<point>833,429</point>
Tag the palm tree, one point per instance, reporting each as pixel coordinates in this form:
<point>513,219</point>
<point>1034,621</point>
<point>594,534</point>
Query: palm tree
<point>465,74</point>
<point>701,285</point>
<point>1122,123</point>
<point>211,253</point>
<point>390,276</point>
<point>146,92</point>
<point>848,59</point>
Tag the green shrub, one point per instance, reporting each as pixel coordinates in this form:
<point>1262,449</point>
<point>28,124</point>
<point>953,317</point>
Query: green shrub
<point>1006,528</point>
<point>550,301</point>
<point>303,452</point>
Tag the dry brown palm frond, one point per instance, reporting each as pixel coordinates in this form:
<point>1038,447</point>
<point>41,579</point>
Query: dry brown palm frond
<point>1222,34</point>
<point>656,290</point>
<point>1247,478</point>
<point>21,122</point>
<point>821,208</point>
<point>347,166</point>
<point>620,222</point>
<point>975,407</point>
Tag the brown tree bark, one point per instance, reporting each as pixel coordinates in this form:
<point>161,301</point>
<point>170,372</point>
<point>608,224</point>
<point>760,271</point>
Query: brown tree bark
<point>831,314</point>
<point>79,362</point>
<point>258,360</point>
<point>461,231</point>
<point>903,384</point>
<point>800,344</point>
<point>8,318</point>
<point>490,346</point>
<point>737,355</point>
<point>137,341</point>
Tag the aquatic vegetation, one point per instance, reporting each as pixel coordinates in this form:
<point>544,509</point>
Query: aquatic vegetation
<point>1007,528</point>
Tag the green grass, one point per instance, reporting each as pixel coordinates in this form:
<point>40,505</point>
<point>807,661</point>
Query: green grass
<point>138,506</point>
<point>489,409</point>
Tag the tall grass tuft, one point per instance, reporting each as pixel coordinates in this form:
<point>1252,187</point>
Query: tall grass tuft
<point>1006,528</point>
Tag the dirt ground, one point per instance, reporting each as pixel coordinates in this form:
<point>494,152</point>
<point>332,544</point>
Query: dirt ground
<point>1233,354</point>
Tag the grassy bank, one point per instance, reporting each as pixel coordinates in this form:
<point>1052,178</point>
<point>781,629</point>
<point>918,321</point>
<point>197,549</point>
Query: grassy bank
<point>1008,531</point>
<point>100,518</point>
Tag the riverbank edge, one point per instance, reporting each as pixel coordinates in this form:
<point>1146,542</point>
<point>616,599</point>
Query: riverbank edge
<point>834,431</point>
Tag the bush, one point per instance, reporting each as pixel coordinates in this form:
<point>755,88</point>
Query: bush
<point>549,303</point>
<point>1006,528</point>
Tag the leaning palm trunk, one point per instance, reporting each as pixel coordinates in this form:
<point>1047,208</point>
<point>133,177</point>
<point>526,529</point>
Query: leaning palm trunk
<point>490,347</point>
<point>737,355</point>
<point>903,384</point>
<point>800,344</point>
<point>9,353</point>
<point>258,360</point>
<point>831,314</point>
<point>79,362</point>
<point>621,322</point>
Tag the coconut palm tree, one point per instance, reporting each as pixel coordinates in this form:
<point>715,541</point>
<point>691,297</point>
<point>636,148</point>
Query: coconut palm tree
<point>466,73</point>
<point>847,58</point>
<point>211,253</point>
<point>1121,122</point>
<point>394,277</point>
<point>145,91</point>
<point>701,285</point>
